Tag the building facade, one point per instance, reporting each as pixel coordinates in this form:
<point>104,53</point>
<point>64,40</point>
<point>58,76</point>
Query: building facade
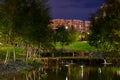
<point>79,25</point>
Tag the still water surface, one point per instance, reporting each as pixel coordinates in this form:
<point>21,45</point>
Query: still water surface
<point>68,72</point>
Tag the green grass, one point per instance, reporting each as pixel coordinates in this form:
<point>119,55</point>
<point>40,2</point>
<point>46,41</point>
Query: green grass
<point>3,50</point>
<point>78,46</point>
<point>75,46</point>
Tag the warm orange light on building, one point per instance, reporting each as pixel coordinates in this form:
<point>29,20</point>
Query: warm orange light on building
<point>79,25</point>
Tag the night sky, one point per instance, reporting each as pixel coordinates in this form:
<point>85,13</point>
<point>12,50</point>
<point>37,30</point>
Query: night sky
<point>74,9</point>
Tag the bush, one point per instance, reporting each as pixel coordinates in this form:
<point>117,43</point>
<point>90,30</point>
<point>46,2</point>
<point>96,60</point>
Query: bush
<point>30,62</point>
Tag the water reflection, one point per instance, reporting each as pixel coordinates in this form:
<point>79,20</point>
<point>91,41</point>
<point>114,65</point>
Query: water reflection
<point>66,78</point>
<point>81,72</point>
<point>99,70</point>
<point>71,72</point>
<point>118,72</point>
<point>31,75</point>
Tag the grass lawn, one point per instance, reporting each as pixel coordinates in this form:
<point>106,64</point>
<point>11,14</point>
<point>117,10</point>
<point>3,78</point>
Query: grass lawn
<point>75,46</point>
<point>78,46</point>
<point>3,50</point>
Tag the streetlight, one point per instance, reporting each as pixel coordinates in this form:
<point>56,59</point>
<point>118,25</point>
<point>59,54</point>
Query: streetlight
<point>88,33</point>
<point>66,27</point>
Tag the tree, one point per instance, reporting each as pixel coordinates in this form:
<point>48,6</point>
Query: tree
<point>105,27</point>
<point>61,35</point>
<point>26,19</point>
<point>73,35</point>
<point>36,30</point>
<point>65,35</point>
<point>8,9</point>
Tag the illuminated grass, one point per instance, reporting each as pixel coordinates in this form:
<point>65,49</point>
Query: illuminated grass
<point>3,50</point>
<point>79,46</point>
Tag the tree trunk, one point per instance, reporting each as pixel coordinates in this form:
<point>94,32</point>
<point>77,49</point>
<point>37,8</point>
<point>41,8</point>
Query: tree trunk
<point>8,42</point>
<point>7,55</point>
<point>34,76</point>
<point>27,53</point>
<point>30,52</point>
<point>27,77</point>
<point>14,78</point>
<point>14,53</point>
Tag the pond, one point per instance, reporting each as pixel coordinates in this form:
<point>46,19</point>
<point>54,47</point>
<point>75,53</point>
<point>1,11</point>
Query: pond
<point>69,72</point>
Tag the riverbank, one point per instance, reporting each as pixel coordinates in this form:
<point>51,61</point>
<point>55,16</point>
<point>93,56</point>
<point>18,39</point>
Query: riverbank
<point>19,66</point>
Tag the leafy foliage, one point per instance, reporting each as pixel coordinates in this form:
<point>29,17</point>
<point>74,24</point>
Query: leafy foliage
<point>65,36</point>
<point>26,22</point>
<point>105,27</point>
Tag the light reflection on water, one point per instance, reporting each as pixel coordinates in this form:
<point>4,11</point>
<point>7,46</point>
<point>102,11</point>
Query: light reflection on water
<point>70,72</point>
<point>66,78</point>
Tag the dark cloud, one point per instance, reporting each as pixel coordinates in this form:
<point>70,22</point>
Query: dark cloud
<point>80,9</point>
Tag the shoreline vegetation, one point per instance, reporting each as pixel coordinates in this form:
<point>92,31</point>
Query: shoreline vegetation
<point>19,66</point>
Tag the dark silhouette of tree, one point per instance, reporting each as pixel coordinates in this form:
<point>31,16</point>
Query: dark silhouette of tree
<point>105,27</point>
<point>65,35</point>
<point>26,20</point>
